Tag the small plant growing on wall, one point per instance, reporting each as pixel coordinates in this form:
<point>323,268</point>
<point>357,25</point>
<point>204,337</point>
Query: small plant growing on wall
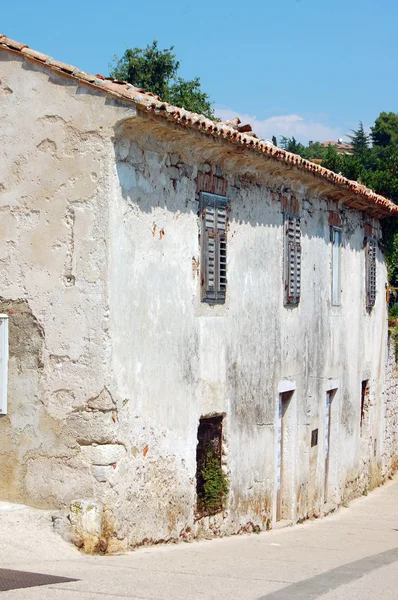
<point>393,326</point>
<point>212,484</point>
<point>215,484</point>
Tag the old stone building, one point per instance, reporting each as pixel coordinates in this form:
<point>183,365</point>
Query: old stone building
<point>173,285</point>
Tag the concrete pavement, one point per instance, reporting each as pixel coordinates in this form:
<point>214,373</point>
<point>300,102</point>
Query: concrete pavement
<point>352,554</point>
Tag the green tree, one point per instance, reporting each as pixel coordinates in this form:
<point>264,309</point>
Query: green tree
<point>284,142</point>
<point>188,95</point>
<point>389,228</point>
<point>360,141</point>
<point>156,71</point>
<point>332,160</point>
<point>385,130</point>
<point>383,179</point>
<point>353,167</point>
<point>292,145</point>
<point>314,150</point>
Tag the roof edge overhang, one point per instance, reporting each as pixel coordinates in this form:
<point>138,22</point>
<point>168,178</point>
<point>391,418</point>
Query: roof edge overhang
<point>350,192</point>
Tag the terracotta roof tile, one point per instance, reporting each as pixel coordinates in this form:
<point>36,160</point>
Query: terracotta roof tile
<point>152,104</point>
<point>12,43</point>
<point>62,66</point>
<point>34,54</point>
<point>84,76</point>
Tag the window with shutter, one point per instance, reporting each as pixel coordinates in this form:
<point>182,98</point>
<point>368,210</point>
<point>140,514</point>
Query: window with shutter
<point>370,272</point>
<point>335,237</point>
<point>292,259</point>
<point>214,248</point>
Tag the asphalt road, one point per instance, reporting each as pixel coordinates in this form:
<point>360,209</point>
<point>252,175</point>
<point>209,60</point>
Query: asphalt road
<point>350,555</point>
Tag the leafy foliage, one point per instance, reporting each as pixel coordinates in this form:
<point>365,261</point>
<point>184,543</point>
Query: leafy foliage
<point>385,129</point>
<point>156,71</point>
<point>215,483</point>
<point>332,160</point>
<point>393,326</point>
<point>359,141</point>
<point>393,312</point>
<point>292,145</point>
<point>189,95</point>
<point>314,150</point>
<point>390,239</point>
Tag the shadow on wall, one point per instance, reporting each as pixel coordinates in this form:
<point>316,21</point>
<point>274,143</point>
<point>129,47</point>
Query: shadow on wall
<point>159,167</point>
<point>26,341</point>
<point>26,336</point>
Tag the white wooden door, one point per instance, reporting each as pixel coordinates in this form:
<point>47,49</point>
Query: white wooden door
<point>327,441</point>
<point>279,459</point>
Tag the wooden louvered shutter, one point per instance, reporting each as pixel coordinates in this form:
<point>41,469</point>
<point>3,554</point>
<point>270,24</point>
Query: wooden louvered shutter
<point>214,248</point>
<point>209,251</point>
<point>335,238</point>
<point>370,272</point>
<point>222,250</point>
<point>292,259</point>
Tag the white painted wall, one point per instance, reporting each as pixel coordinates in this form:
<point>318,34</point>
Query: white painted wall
<point>177,360</point>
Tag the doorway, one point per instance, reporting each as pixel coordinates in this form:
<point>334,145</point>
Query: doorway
<point>282,461</point>
<point>211,482</point>
<point>327,427</point>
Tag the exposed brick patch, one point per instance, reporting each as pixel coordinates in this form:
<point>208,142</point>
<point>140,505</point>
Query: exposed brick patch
<point>209,182</point>
<point>368,230</point>
<point>334,219</point>
<point>290,205</point>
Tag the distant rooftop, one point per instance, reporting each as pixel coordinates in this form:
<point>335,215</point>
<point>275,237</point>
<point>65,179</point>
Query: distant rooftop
<point>341,147</point>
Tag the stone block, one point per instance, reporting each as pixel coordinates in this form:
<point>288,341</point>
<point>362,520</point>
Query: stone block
<point>53,482</point>
<point>101,473</point>
<point>173,172</point>
<point>174,158</point>
<point>85,517</point>
<point>93,427</point>
<point>103,401</point>
<point>104,454</point>
<point>123,148</point>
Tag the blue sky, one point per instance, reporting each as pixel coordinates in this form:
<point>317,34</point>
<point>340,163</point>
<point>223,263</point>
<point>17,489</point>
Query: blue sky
<point>309,68</point>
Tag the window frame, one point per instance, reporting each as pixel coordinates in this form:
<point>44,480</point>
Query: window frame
<point>292,250</point>
<point>365,403</point>
<point>213,271</point>
<point>209,436</point>
<point>336,265</point>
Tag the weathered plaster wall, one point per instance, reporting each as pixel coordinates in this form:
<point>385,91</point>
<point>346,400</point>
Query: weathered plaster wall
<point>114,359</point>
<point>175,359</point>
<point>56,161</point>
<point>390,414</point>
